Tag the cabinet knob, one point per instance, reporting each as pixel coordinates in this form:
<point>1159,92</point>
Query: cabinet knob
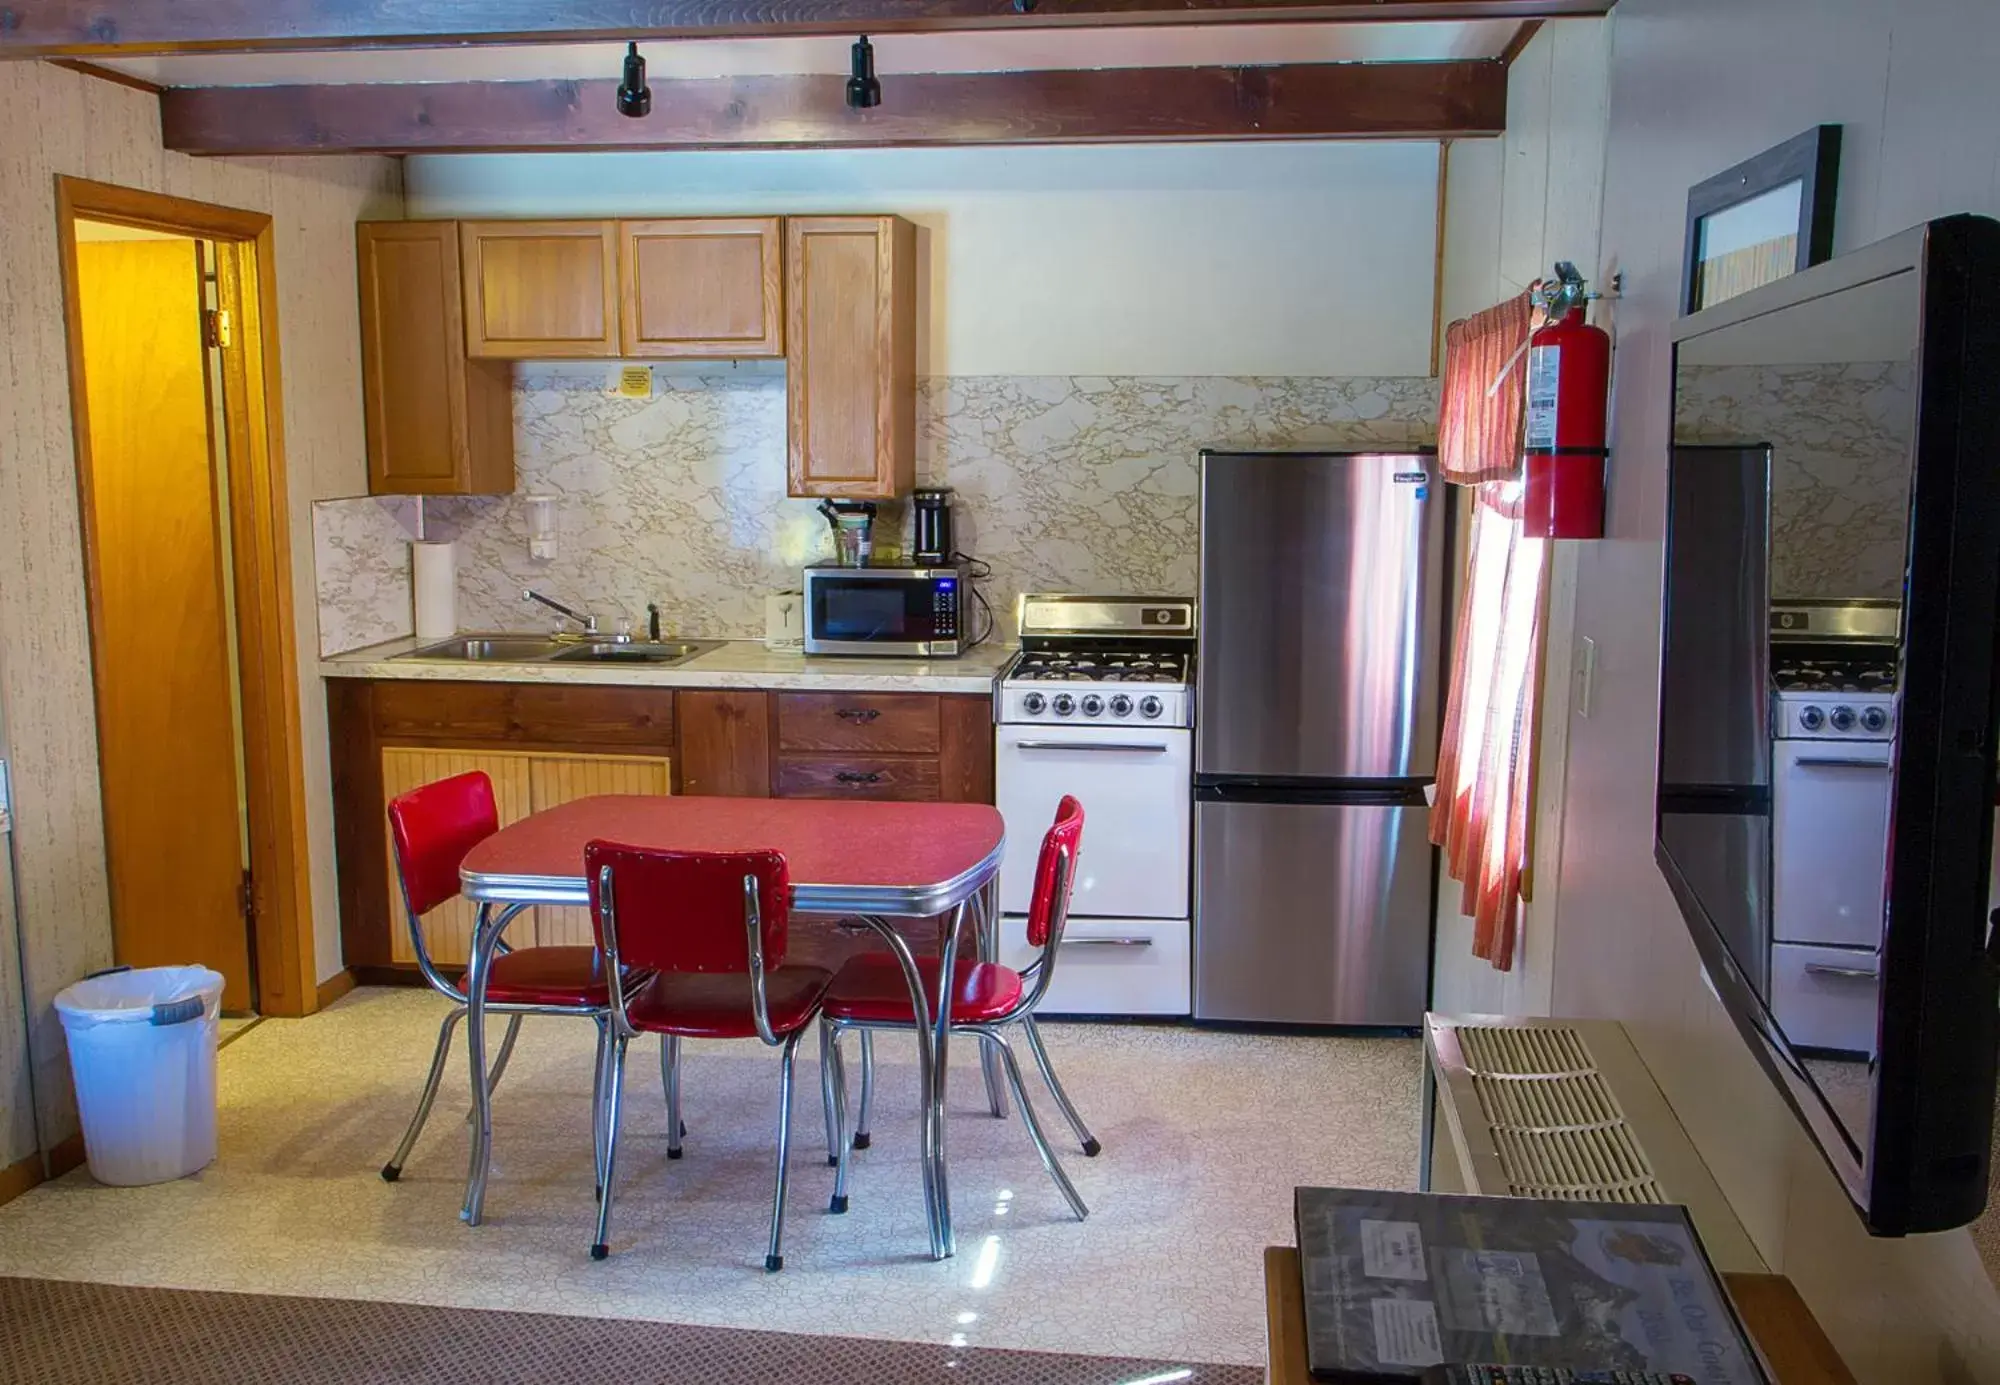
<point>858,714</point>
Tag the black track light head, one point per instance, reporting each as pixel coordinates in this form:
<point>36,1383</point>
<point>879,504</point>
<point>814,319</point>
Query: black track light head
<point>863,91</point>
<point>635,98</point>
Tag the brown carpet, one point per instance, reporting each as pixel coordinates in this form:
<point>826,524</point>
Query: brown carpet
<point>55,1332</point>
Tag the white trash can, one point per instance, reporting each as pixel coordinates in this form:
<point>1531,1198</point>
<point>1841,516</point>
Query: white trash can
<point>142,1051</point>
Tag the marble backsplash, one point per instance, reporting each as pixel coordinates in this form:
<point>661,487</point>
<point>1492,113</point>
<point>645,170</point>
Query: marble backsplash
<point>1840,440</point>
<point>361,558</point>
<point>1063,484</point>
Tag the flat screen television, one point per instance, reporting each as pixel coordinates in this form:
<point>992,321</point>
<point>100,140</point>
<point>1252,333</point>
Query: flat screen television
<point>1827,724</point>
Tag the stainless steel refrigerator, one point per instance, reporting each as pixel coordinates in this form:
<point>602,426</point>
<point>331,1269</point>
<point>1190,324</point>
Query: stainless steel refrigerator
<point>1316,731</point>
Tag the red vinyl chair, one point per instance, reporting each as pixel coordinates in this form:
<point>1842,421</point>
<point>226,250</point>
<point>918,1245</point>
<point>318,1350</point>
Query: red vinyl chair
<point>433,828</point>
<point>869,994</point>
<point>713,928</point>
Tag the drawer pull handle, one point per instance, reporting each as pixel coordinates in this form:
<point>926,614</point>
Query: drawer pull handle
<point>854,926</point>
<point>1107,942</point>
<point>859,715</point>
<point>850,776</point>
<point>1844,973</point>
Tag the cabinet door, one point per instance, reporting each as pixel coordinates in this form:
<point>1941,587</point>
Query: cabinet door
<point>709,288</point>
<point>438,423</point>
<point>448,928</point>
<point>725,743</point>
<point>850,352</point>
<point>556,779</point>
<point>540,290</point>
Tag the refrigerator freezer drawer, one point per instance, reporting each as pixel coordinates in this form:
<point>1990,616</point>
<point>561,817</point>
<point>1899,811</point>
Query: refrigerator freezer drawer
<point>1110,966</point>
<point>1312,913</point>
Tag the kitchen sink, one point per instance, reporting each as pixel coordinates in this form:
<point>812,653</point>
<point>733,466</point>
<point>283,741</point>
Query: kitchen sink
<point>543,649</point>
<point>633,652</point>
<point>499,649</point>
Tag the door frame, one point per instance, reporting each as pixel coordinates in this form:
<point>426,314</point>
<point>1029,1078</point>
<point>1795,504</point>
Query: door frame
<point>260,531</point>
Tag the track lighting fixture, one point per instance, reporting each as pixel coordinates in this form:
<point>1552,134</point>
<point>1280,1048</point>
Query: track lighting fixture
<point>863,90</point>
<point>635,98</point>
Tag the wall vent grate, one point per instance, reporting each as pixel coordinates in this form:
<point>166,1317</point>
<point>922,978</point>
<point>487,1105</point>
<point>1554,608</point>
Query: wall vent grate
<point>1556,1127</point>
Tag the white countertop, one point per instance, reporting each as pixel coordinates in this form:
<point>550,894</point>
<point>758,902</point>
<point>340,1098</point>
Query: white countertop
<point>737,664</point>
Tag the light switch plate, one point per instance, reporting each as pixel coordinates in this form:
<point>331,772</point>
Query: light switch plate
<point>1586,675</point>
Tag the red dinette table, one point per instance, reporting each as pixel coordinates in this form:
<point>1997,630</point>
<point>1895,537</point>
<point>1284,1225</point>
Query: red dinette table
<point>874,861</point>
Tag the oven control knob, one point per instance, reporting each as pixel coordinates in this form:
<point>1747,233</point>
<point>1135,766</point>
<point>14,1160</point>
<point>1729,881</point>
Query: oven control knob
<point>1033,704</point>
<point>1811,718</point>
<point>1093,705</point>
<point>1064,704</point>
<point>1150,706</point>
<point>1874,719</point>
<point>1841,719</point>
<point>1121,706</point>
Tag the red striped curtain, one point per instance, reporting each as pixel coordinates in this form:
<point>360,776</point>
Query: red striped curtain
<point>1485,780</point>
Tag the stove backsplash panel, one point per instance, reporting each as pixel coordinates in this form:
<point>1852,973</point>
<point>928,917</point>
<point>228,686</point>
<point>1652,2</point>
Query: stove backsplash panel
<point>1064,483</point>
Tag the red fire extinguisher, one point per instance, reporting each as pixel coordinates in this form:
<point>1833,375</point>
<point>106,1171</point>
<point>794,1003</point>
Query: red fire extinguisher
<point>1569,384</point>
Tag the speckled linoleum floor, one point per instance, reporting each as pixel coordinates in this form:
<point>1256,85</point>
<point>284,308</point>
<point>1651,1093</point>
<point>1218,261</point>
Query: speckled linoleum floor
<point>1205,1134</point>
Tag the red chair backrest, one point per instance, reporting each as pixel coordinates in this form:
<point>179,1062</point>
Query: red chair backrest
<point>1065,838</point>
<point>433,827</point>
<point>684,910</point>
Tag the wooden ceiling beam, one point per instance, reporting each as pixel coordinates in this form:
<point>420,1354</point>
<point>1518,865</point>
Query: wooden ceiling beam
<point>65,28</point>
<point>1412,100</point>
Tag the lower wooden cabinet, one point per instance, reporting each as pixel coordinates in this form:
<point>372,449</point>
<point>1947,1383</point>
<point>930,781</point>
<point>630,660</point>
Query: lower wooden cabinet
<point>545,744</point>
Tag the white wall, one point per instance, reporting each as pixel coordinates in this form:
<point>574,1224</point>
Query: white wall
<point>1697,85</point>
<point>1514,207</point>
<point>1284,259</point>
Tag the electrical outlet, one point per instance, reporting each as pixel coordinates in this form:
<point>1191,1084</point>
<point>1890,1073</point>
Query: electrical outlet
<point>1586,675</point>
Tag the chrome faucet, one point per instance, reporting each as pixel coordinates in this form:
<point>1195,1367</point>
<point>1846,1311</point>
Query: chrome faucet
<point>588,622</point>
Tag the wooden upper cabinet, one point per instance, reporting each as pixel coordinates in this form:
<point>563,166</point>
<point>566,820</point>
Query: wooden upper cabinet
<point>851,355</point>
<point>438,422</point>
<point>702,288</point>
<point>540,290</point>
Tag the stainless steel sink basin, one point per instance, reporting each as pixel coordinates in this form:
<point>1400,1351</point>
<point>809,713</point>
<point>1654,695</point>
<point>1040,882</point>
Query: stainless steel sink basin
<point>541,649</point>
<point>499,649</point>
<point>633,652</point>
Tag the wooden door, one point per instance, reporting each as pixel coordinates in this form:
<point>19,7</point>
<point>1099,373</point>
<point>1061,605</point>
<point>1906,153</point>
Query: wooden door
<point>702,288</point>
<point>438,423</point>
<point>155,496</point>
<point>850,352</point>
<point>540,290</point>
<point>448,928</point>
<point>555,780</point>
<point>725,743</point>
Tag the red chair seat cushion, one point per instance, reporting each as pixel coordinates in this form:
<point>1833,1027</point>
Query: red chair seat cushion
<point>716,1005</point>
<point>548,976</point>
<point>871,989</point>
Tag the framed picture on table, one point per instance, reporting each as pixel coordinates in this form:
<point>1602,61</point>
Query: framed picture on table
<point>1768,217</point>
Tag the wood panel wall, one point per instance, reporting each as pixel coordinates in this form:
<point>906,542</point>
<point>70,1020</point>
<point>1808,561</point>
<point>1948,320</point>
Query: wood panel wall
<point>62,122</point>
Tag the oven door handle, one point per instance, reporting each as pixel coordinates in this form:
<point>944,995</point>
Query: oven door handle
<point>1107,942</point>
<point>1844,973</point>
<point>1838,762</point>
<point>1134,747</point>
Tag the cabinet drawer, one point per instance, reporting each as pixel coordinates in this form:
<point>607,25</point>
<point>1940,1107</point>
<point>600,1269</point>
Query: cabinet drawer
<point>1826,997</point>
<point>899,778</point>
<point>905,723</point>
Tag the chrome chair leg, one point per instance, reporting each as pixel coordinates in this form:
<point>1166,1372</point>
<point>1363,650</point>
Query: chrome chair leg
<point>500,1063</point>
<point>670,1080</point>
<point>1034,1124</point>
<point>774,1258</point>
<point>988,936</point>
<point>1091,1148</point>
<point>829,1079</point>
<point>860,1140</point>
<point>597,1142</point>
<point>845,1151</point>
<point>613,1102</point>
<point>393,1170</point>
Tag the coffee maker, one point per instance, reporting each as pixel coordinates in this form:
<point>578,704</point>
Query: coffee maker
<point>933,546</point>
<point>853,523</point>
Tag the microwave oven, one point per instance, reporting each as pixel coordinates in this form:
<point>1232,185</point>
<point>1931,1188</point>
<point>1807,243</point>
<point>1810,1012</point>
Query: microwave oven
<point>914,612</point>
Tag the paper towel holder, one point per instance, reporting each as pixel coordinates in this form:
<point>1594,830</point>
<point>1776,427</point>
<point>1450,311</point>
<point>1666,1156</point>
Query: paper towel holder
<point>541,526</point>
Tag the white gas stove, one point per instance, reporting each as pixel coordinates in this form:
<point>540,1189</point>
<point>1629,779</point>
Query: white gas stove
<point>1099,703</point>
